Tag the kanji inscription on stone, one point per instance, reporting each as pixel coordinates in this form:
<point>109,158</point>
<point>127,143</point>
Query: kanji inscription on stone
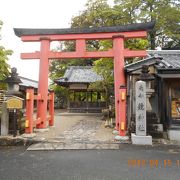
<point>141,108</point>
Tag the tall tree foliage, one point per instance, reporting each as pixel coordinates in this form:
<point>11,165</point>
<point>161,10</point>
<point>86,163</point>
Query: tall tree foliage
<point>104,67</point>
<point>166,14</point>
<point>96,14</point>
<point>4,67</point>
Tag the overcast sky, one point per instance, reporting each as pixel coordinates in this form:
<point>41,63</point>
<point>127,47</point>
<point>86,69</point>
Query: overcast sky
<point>33,14</point>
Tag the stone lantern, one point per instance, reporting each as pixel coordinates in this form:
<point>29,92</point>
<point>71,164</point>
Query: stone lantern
<point>13,82</point>
<point>147,77</point>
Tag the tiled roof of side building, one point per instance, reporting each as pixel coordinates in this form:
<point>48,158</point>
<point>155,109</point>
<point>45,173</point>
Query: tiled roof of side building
<point>79,74</point>
<point>28,82</point>
<point>170,58</point>
<point>163,59</point>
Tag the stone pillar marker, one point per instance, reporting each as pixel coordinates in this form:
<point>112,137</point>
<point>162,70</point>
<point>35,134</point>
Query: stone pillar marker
<point>140,137</point>
<point>4,120</point>
<point>140,108</point>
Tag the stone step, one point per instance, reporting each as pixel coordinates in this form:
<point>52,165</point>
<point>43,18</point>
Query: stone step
<point>79,114</point>
<point>174,134</point>
<point>72,146</point>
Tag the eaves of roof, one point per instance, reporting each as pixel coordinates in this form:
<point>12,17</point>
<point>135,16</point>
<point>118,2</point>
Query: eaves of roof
<point>121,28</point>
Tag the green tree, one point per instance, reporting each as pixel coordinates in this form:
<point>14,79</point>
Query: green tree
<point>4,67</point>
<point>96,14</point>
<point>165,13</point>
<point>104,67</point>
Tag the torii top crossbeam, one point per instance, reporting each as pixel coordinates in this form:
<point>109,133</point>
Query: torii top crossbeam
<point>109,29</point>
<point>118,53</point>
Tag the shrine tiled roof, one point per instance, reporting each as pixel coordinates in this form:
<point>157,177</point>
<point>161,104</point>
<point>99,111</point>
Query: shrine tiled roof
<point>163,59</point>
<point>25,82</point>
<point>169,58</point>
<point>79,74</point>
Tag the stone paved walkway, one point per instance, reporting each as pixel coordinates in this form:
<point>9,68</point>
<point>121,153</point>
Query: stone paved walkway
<point>84,131</point>
<point>76,132</point>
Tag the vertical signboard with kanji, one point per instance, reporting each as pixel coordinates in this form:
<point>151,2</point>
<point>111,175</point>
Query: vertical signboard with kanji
<point>141,108</point>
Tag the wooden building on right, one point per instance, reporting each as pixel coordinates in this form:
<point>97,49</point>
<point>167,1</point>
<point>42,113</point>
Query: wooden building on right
<point>163,96</point>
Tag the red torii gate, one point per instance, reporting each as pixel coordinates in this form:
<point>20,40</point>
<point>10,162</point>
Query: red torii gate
<point>118,53</point>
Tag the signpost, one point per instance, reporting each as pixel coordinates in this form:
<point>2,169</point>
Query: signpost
<point>141,108</point>
<point>140,137</point>
<point>14,103</point>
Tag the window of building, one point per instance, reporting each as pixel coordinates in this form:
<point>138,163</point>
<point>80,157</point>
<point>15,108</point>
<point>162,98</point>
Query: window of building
<point>175,102</point>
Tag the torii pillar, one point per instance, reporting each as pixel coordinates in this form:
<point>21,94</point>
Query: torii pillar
<point>43,82</point>
<point>119,80</point>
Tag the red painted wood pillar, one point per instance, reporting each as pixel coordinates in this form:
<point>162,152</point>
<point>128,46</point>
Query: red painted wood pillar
<point>119,75</point>
<point>51,108</point>
<point>43,82</point>
<point>122,111</point>
<point>29,110</point>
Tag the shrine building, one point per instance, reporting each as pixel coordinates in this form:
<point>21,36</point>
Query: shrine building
<point>81,97</point>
